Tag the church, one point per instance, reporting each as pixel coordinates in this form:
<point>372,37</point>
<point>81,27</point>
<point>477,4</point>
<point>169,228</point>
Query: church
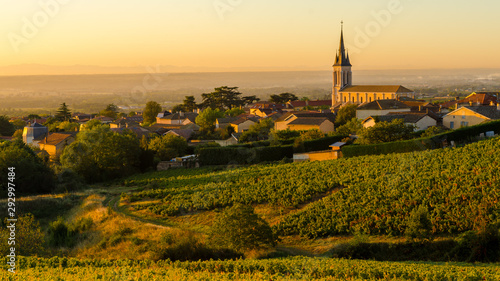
<point>344,92</point>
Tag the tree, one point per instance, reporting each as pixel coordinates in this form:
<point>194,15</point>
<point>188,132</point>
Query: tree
<point>240,228</point>
<point>234,112</point>
<point>221,98</point>
<point>67,126</point>
<point>249,99</point>
<point>32,175</point>
<point>178,108</point>
<point>28,233</point>
<point>432,131</point>
<point>353,126</point>
<point>111,111</point>
<point>258,131</point>
<point>168,146</point>
<point>92,123</point>
<point>33,116</point>
<point>151,111</point>
<point>312,134</point>
<point>100,154</point>
<point>419,225</point>
<point>206,119</point>
<point>6,128</point>
<point>345,114</point>
<point>189,104</point>
<point>396,130</point>
<point>18,134</point>
<point>283,98</point>
<point>63,113</point>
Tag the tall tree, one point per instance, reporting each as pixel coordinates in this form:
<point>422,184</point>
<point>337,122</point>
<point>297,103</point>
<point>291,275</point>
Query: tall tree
<point>283,98</point>
<point>222,98</point>
<point>249,99</point>
<point>189,104</point>
<point>111,111</point>
<point>151,111</point>
<point>6,128</point>
<point>63,113</point>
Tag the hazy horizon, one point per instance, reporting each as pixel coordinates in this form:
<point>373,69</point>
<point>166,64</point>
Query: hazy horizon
<point>222,35</point>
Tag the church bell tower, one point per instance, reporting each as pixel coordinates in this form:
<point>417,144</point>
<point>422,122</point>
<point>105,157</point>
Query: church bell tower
<point>342,75</point>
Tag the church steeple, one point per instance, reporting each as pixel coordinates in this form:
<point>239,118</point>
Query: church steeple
<point>342,75</point>
<point>342,58</point>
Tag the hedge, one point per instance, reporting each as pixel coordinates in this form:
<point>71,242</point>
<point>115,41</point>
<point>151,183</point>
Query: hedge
<point>462,135</point>
<point>241,155</point>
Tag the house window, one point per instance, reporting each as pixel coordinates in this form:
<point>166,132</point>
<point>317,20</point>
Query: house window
<point>452,125</point>
<point>464,124</point>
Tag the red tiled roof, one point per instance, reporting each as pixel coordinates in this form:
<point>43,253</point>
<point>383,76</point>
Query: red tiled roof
<point>55,138</point>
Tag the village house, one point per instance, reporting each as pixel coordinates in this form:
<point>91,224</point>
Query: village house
<point>243,124</point>
<point>471,115</point>
<point>264,109</point>
<point>55,143</point>
<point>380,107</point>
<point>34,133</point>
<point>183,133</point>
<point>421,121</point>
<point>334,153</point>
<point>306,120</point>
<point>474,99</point>
<point>180,118</point>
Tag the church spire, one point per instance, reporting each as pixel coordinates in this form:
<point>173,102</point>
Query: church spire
<point>342,58</point>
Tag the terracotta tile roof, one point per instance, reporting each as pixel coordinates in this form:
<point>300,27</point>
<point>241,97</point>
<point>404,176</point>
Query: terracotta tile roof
<point>376,89</point>
<point>244,119</point>
<point>55,138</point>
<point>185,133</point>
<point>383,105</point>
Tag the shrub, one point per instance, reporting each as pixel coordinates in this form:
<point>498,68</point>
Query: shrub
<point>240,228</point>
<point>29,237</point>
<point>419,226</point>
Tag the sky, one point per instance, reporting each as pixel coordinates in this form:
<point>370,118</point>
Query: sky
<point>250,34</point>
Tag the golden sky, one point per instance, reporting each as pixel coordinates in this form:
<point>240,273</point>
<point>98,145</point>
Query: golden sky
<point>251,34</point>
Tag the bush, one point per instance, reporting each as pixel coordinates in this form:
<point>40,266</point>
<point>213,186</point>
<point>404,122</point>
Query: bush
<point>482,246</point>
<point>419,226</point>
<point>239,228</point>
<point>60,234</point>
<point>29,237</point>
<point>186,247</point>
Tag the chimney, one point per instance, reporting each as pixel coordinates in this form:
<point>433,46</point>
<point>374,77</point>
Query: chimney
<point>419,108</point>
<point>307,102</point>
<point>492,103</point>
<point>470,103</point>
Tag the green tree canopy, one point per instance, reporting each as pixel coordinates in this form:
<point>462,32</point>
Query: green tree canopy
<point>258,131</point>
<point>6,128</point>
<point>67,126</point>
<point>63,113</point>
<point>240,228</point>
<point>189,104</point>
<point>234,112</point>
<point>283,98</point>
<point>32,176</point>
<point>100,154</point>
<point>168,146</point>
<point>353,126</point>
<point>151,111</point>
<point>206,119</point>
<point>345,114</point>
<point>396,130</point>
<point>111,111</point>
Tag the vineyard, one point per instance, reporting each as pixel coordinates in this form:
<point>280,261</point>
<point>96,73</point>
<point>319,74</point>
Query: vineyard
<point>297,268</point>
<point>458,186</point>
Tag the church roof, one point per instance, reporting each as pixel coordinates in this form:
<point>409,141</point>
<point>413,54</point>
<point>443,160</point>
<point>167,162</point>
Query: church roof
<point>383,105</point>
<point>376,89</point>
